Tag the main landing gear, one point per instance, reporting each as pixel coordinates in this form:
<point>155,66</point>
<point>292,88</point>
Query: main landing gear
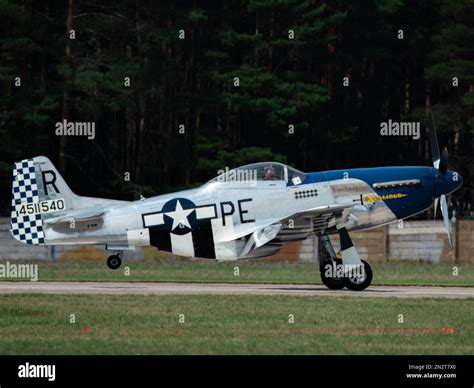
<point>114,261</point>
<point>345,270</point>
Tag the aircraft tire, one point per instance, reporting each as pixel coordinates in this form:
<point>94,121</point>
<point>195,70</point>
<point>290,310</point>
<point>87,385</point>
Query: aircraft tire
<point>114,262</point>
<point>331,282</point>
<point>359,284</point>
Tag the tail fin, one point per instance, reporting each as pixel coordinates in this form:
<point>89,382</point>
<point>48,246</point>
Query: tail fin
<point>40,193</point>
<point>38,189</point>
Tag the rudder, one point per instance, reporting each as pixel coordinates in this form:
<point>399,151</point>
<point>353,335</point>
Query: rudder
<point>27,228</point>
<point>38,190</point>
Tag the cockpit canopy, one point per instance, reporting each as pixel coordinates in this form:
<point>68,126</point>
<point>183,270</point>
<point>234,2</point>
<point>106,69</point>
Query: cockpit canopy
<point>264,171</point>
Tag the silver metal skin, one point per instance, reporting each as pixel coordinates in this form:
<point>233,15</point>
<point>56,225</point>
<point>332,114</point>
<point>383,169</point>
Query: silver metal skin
<point>244,214</point>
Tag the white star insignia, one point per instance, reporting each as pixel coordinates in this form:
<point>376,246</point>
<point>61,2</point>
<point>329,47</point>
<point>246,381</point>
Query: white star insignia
<point>180,216</point>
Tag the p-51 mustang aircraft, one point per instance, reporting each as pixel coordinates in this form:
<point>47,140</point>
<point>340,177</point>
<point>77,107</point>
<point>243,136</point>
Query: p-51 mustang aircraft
<point>244,213</point>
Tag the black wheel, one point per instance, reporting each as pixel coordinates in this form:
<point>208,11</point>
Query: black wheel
<point>359,282</point>
<point>328,278</point>
<point>114,262</point>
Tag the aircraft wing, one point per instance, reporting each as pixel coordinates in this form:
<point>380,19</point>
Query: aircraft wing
<point>242,230</point>
<point>261,233</point>
<point>312,220</point>
<point>321,210</point>
<point>257,227</point>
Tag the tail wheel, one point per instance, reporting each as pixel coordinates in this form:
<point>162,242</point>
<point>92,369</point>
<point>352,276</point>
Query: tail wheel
<point>114,262</point>
<point>359,282</point>
<point>329,280</point>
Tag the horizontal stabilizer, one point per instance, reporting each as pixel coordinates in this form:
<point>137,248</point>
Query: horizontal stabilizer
<point>82,215</point>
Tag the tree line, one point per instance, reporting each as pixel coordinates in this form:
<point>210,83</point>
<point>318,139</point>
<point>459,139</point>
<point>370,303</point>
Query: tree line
<point>178,90</point>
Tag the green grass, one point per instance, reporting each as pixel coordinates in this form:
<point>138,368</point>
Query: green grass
<point>393,273</point>
<point>137,324</point>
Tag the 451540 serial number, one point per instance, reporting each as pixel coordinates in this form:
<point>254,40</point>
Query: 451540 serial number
<point>50,206</point>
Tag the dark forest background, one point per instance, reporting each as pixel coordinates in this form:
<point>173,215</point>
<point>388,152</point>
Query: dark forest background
<point>190,82</point>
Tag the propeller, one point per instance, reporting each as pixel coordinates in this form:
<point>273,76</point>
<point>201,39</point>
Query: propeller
<point>443,164</point>
<point>444,211</point>
<point>435,156</point>
<point>440,162</point>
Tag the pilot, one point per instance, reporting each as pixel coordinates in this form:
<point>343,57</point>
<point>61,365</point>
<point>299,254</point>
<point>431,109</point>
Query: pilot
<point>269,173</point>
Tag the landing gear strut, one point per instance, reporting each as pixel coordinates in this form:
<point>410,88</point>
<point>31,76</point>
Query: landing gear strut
<point>114,262</point>
<point>327,263</point>
<point>350,271</point>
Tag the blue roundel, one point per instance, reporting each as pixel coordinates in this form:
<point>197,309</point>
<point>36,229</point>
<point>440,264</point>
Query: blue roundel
<point>179,215</point>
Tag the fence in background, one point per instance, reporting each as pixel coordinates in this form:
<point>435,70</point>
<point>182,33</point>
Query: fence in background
<point>416,240</point>
<point>412,240</point>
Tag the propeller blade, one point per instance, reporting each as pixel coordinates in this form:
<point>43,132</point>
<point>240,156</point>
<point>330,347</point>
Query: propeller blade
<point>435,155</point>
<point>444,210</point>
<point>443,164</point>
<point>436,200</point>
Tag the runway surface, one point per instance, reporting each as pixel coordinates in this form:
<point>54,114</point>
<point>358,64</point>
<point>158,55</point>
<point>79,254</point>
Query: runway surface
<point>118,288</point>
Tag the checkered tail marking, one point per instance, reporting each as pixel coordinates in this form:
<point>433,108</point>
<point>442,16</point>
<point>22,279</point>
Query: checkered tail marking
<point>27,228</point>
